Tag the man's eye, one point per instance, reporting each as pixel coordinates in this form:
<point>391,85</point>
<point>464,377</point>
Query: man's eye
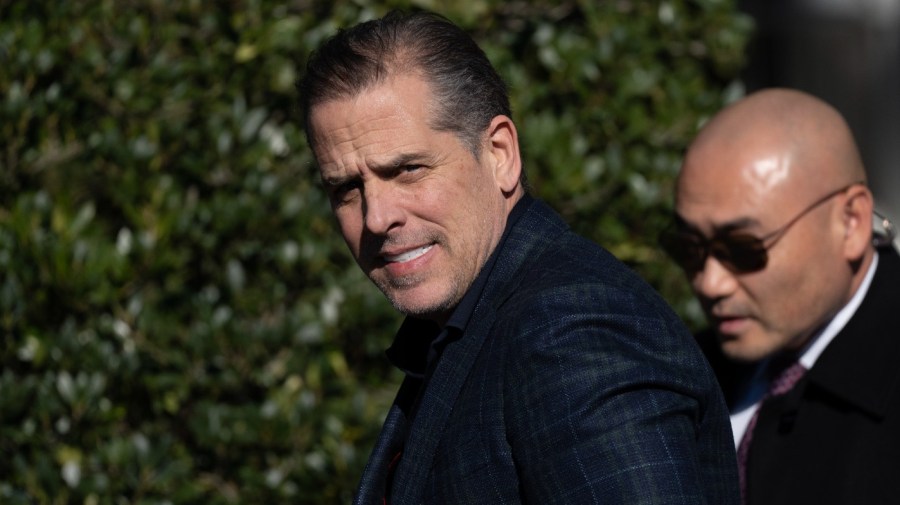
<point>344,192</point>
<point>408,169</point>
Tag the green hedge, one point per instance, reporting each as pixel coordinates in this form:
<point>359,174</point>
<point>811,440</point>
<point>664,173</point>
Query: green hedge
<point>180,320</point>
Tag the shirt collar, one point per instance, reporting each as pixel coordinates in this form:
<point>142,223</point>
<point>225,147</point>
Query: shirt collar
<point>409,351</point>
<point>819,342</point>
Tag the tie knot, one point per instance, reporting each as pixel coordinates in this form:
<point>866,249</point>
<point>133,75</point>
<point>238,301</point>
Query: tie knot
<point>784,380</point>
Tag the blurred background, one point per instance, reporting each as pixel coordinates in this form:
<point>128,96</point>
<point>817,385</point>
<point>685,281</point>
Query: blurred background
<point>180,320</point>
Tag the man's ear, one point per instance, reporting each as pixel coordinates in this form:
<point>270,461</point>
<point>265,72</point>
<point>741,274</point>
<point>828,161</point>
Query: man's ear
<point>857,222</point>
<point>502,153</point>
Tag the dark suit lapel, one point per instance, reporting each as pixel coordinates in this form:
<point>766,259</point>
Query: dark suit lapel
<point>535,229</point>
<point>859,366</point>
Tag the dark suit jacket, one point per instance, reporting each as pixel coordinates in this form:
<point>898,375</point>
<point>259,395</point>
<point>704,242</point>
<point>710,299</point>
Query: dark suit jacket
<point>835,438</point>
<point>573,383</point>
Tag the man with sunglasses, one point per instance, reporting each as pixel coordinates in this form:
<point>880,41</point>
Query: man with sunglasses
<point>773,228</point>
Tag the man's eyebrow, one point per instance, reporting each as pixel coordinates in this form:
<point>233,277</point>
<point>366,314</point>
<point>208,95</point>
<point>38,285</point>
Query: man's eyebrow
<point>336,181</point>
<point>726,227</point>
<point>400,160</point>
<point>736,224</point>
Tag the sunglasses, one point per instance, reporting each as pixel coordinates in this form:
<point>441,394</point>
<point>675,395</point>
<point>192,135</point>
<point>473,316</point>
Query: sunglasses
<point>738,252</point>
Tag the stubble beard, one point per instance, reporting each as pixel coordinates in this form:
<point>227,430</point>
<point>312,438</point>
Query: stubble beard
<point>393,289</point>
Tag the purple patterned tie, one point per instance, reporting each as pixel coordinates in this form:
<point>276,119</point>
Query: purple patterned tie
<point>780,385</point>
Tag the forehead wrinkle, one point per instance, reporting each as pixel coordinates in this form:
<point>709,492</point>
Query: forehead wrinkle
<point>363,163</point>
<point>346,146</point>
<point>375,129</point>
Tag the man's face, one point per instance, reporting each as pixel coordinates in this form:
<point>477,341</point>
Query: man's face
<point>419,212</point>
<point>759,314</point>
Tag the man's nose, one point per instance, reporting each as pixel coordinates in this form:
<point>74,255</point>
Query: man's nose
<point>382,208</point>
<point>714,281</point>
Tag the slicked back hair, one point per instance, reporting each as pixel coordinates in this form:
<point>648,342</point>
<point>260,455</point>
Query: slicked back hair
<point>467,91</point>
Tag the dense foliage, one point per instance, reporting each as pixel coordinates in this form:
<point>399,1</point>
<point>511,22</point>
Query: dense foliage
<point>180,320</point>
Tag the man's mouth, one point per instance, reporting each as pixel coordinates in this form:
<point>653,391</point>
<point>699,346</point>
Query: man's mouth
<point>408,255</point>
<point>730,324</point>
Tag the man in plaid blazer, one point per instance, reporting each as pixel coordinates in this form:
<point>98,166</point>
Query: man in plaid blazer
<point>539,369</point>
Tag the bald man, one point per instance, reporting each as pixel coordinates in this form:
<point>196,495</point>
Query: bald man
<point>774,231</point>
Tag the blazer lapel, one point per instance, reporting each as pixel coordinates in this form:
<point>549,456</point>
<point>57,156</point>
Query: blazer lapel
<point>434,411</point>
<point>859,365</point>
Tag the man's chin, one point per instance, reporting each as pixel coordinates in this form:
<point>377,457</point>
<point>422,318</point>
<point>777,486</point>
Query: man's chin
<point>430,297</point>
<point>421,305</point>
<point>740,349</point>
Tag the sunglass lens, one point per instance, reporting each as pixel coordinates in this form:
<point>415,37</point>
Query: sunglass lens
<point>686,249</point>
<point>743,253</point>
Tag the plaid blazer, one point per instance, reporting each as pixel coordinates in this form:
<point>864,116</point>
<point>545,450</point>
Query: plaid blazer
<point>573,383</point>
